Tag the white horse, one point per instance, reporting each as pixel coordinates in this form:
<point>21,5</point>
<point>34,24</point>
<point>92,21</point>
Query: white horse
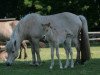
<point>55,37</point>
<point>30,28</point>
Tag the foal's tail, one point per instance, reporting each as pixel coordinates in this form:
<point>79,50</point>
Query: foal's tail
<point>84,43</point>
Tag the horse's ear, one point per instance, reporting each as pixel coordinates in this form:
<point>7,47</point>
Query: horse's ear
<point>48,24</point>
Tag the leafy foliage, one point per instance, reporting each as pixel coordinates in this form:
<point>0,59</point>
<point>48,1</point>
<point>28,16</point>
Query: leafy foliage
<point>18,8</point>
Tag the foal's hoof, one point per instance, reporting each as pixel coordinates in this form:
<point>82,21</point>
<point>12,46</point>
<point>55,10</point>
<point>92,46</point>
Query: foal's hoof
<point>61,68</point>
<point>25,57</point>
<point>72,66</point>
<point>19,57</point>
<point>51,68</point>
<point>66,67</point>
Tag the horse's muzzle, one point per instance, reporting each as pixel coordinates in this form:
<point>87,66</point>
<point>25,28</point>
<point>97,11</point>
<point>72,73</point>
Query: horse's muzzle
<point>8,64</point>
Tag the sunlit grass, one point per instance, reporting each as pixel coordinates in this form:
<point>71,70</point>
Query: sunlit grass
<point>22,66</point>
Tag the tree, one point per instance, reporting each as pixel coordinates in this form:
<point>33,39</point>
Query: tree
<point>19,8</point>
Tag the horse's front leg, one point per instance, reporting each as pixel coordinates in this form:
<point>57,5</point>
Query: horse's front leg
<point>36,44</point>
<point>52,57</point>
<point>33,53</point>
<point>78,61</point>
<point>58,56</point>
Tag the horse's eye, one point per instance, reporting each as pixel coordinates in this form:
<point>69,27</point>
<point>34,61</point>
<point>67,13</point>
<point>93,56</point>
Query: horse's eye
<point>12,51</point>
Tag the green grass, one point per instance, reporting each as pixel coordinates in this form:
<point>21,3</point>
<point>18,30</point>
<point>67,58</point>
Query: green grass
<point>22,67</point>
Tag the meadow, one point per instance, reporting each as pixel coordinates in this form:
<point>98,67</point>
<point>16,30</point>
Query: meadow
<point>23,67</point>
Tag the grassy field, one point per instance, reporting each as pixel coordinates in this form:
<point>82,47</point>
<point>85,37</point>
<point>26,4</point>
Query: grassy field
<point>23,67</point>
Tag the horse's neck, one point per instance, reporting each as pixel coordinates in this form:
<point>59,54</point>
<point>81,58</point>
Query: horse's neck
<point>52,35</point>
<point>17,37</point>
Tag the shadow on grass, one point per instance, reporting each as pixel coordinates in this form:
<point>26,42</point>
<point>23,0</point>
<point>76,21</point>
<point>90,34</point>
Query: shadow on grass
<point>24,68</point>
<point>45,64</point>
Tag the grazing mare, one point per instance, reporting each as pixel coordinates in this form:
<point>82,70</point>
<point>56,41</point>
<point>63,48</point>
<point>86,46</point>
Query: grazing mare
<point>30,27</point>
<point>6,29</point>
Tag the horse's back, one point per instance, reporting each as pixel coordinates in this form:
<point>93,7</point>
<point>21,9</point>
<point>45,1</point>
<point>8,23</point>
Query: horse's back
<point>65,21</point>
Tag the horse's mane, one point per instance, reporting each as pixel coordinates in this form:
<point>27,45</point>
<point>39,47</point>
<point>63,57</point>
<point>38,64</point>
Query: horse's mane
<point>20,26</point>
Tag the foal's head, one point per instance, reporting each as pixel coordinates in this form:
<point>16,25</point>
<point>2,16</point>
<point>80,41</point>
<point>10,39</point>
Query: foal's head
<point>47,29</point>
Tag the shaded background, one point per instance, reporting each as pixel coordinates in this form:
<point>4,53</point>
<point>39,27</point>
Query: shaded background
<point>19,8</point>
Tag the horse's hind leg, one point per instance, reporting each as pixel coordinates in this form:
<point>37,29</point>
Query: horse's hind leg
<point>57,54</point>
<point>25,53</point>
<point>20,53</point>
<point>77,45</point>
<point>24,45</point>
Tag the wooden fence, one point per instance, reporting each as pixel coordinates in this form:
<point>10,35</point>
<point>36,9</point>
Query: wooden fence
<point>94,36</point>
<point>7,19</point>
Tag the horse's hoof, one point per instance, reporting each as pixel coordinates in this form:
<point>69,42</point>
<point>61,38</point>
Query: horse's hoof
<point>82,63</point>
<point>37,64</point>
<point>19,57</point>
<point>77,62</point>
<point>32,64</point>
<point>25,57</point>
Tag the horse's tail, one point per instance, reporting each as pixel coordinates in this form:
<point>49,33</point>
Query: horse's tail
<point>84,43</point>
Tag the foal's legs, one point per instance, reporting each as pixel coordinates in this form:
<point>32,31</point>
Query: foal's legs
<point>67,56</point>
<point>72,62</point>
<point>69,51</point>
<point>52,57</point>
<point>57,54</point>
